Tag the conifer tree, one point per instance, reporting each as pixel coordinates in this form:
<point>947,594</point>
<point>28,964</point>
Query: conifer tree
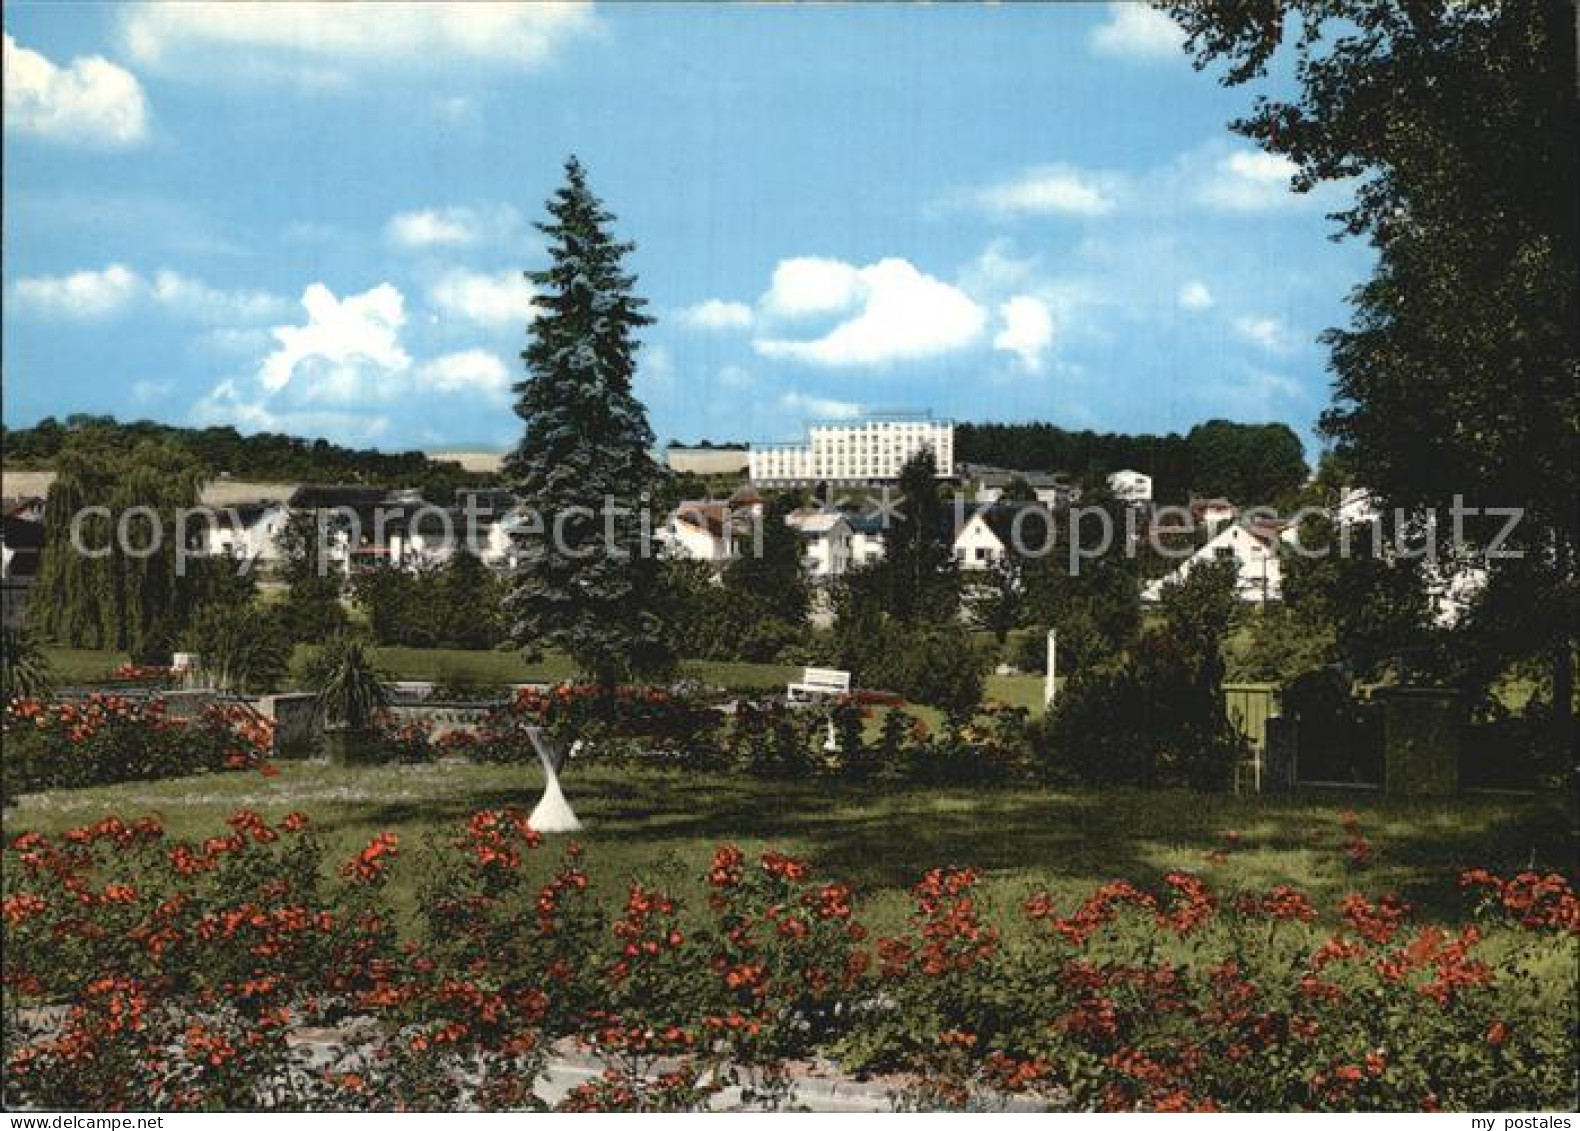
<point>771,568</point>
<point>587,584</point>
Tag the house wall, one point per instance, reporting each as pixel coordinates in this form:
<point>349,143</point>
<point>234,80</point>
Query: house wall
<point>698,545</point>
<point>865,548</point>
<point>1260,574</point>
<point>1131,486</point>
<point>828,553</point>
<point>976,546</point>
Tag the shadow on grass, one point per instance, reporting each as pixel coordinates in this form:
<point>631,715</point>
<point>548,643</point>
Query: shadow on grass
<point>882,837</point>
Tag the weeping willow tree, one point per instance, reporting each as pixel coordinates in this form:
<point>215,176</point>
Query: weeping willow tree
<point>108,575</point>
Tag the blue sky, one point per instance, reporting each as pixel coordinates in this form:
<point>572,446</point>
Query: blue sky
<point>314,219</point>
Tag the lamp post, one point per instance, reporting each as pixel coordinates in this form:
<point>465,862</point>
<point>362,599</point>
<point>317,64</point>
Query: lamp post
<point>1050,685</point>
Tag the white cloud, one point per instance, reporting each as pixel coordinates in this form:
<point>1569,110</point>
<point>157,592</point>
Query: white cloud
<point>89,102</point>
<point>821,408</point>
<point>343,370</point>
<point>145,391</point>
<point>1137,31</point>
<point>84,295</point>
<point>195,299</point>
<point>344,346</point>
<point>97,294</point>
<point>998,269</point>
<point>735,377</point>
<point>451,227</point>
<point>1269,333</point>
<point>1027,330</point>
<point>1248,180</point>
<point>494,301</point>
<point>1194,295</point>
<point>717,314</point>
<point>308,41</point>
<point>897,313</point>
<point>469,371</point>
<point>808,285</point>
<point>1050,190</point>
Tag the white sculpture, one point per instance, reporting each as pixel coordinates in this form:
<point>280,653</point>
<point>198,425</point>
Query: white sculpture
<point>553,813</point>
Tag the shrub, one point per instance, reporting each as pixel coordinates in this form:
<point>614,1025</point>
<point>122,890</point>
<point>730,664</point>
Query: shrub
<point>146,972</point>
<point>350,690</point>
<point>1156,718</point>
<point>112,738</point>
<point>642,722</point>
<point>243,648</point>
<point>25,671</point>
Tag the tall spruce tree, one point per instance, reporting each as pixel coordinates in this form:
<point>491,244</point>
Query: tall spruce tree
<point>586,584</point>
<point>919,558</point>
<point>774,572</point>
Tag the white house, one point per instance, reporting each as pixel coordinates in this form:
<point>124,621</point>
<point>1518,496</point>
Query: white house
<point>21,548</point>
<point>977,545</point>
<point>826,538</point>
<point>247,531</point>
<point>866,539</point>
<point>1253,546</point>
<point>702,531</point>
<point>1131,486</point>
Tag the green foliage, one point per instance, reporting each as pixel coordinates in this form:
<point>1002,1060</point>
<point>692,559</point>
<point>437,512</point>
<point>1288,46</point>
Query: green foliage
<point>1047,447</point>
<point>241,648</point>
<point>1278,643</point>
<point>25,671</point>
<point>928,663</point>
<point>1200,607</point>
<point>264,456</point>
<point>1251,464</point>
<point>996,598</point>
<point>586,587</point>
<point>1156,716</point>
<point>1095,608</point>
<point>350,689</point>
<point>918,563</point>
<point>124,598</point>
<point>776,576</point>
<point>773,741</point>
<point>1374,598</point>
<point>311,609</point>
<point>710,621</point>
<point>459,604</point>
<point>1456,375</point>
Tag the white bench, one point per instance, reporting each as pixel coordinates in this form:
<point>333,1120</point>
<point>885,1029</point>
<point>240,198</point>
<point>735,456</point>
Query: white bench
<point>818,682</point>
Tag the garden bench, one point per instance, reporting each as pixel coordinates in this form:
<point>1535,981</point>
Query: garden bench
<point>818,682</point>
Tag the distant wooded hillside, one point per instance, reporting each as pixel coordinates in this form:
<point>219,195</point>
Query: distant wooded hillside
<point>268,456</point>
<point>1247,463</point>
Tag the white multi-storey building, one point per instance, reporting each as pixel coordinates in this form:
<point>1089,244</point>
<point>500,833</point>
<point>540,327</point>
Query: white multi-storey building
<point>870,450</point>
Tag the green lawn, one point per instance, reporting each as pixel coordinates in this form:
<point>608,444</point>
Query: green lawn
<point>82,664</point>
<point>664,825</point>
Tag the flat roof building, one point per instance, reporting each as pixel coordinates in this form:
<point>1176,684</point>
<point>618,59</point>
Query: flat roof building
<point>869,450</point>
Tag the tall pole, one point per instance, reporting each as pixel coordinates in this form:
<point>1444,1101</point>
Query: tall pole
<point>1051,684</point>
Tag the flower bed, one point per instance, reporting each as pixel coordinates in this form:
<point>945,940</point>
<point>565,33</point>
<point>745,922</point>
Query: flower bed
<point>113,738</point>
<point>144,971</point>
